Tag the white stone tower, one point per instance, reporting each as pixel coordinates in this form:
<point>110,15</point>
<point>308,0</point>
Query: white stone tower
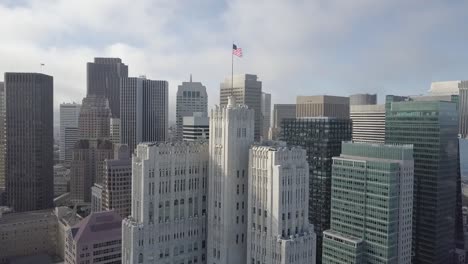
<point>279,231</point>
<point>231,135</point>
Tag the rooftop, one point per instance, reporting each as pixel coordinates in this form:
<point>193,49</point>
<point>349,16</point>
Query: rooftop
<point>105,225</point>
<point>9,218</point>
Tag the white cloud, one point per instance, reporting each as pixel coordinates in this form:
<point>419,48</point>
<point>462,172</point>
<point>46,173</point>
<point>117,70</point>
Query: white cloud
<point>296,47</point>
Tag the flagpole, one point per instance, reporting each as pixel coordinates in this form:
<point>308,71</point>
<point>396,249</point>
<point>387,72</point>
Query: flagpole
<point>232,69</point>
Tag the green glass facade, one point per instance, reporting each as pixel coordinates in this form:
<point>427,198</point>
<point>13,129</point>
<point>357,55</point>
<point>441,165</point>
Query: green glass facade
<point>432,127</point>
<point>321,137</point>
<point>366,206</point>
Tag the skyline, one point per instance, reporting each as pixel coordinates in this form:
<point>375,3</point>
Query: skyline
<point>317,48</point>
<point>363,162</point>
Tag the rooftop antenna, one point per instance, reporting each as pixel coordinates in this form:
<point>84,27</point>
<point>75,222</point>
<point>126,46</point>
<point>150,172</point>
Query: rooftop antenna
<point>190,77</point>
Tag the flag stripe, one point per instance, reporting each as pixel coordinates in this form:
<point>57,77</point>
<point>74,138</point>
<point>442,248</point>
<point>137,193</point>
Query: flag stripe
<point>237,52</point>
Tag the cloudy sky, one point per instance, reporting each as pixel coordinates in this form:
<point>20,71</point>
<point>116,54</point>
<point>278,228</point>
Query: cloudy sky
<point>308,47</point>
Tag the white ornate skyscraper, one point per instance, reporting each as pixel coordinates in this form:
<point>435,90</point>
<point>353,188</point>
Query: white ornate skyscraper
<point>278,227</point>
<point>168,216</point>
<point>231,134</point>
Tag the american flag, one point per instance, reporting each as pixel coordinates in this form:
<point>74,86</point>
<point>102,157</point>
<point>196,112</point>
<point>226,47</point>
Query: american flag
<point>236,51</point>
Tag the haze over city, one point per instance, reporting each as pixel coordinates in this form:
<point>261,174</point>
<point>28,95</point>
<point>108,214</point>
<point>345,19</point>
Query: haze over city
<point>295,47</point>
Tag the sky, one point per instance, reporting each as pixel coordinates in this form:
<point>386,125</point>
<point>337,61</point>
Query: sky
<point>296,47</point>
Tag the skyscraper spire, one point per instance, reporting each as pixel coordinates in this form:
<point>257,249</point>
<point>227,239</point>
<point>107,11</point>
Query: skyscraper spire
<point>190,77</point>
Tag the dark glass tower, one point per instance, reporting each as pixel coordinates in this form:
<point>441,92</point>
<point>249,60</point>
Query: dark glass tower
<point>322,138</point>
<point>144,111</point>
<point>103,79</point>
<point>432,127</point>
<point>29,141</point>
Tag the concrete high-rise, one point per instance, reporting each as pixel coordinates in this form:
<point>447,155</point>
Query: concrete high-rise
<point>266,113</point>
<point>372,204</point>
<point>96,198</point>
<point>363,99</point>
<point>144,111</point>
<point>280,112</point>
<point>368,123</point>
<point>92,148</point>
<point>432,127</point>
<point>169,204</point>
<point>321,137</point>
<point>115,130</point>
<point>322,106</point>
<point>103,79</point>
<point>61,179</point>
<point>87,167</point>
<point>117,182</point>
<point>232,130</point>
<point>247,90</point>
<point>279,228</point>
<point>191,98</point>
<point>29,141</point>
<point>69,114</point>
<point>196,127</point>
<point>445,88</point>
<point>94,119</point>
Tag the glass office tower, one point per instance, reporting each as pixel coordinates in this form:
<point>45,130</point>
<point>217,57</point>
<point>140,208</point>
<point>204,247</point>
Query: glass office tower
<point>432,127</point>
<point>321,137</point>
